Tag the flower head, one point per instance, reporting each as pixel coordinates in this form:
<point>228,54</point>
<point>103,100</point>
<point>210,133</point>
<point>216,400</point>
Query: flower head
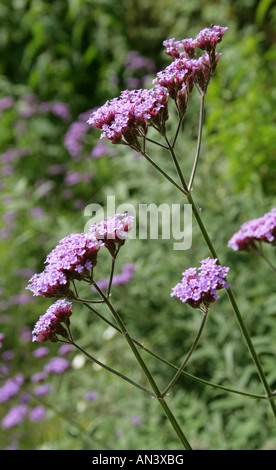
<point>112,231</point>
<point>262,229</point>
<point>73,256</point>
<point>49,325</point>
<point>208,38</point>
<point>199,286</point>
<point>125,119</point>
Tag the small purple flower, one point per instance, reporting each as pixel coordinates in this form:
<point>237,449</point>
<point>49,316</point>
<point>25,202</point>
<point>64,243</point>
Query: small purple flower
<point>262,229</point>
<point>57,365</point>
<point>197,288</point>
<point>10,388</point>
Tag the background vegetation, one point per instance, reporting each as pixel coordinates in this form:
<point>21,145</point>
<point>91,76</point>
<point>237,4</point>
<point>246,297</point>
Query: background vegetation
<point>58,61</point>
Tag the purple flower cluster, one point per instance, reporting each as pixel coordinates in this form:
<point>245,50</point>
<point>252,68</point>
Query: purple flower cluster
<point>73,140</point>
<point>125,119</point>
<point>49,325</point>
<point>185,71</point>
<point>199,286</point>
<point>262,229</point>
<point>73,255</point>
<point>11,387</point>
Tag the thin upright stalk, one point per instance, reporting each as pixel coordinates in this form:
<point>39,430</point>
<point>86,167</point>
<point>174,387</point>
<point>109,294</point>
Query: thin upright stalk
<point>190,352</point>
<point>146,371</point>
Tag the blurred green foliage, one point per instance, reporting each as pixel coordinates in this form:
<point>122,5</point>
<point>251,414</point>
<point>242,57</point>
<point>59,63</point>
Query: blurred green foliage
<point>76,52</point>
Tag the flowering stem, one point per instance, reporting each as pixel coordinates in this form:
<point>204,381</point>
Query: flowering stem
<point>230,294</point>
<point>146,371</point>
<point>184,363</point>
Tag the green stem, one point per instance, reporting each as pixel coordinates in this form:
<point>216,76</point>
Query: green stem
<point>109,369</point>
<point>163,173</point>
<point>184,363</point>
<point>146,371</point>
<point>261,253</point>
<point>200,126</point>
<point>230,294</point>
<point>173,366</point>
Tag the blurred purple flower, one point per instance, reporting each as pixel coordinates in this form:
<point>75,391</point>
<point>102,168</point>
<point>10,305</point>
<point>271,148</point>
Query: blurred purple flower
<point>37,413</point>
<point>37,212</point>
<point>123,277</point>
<point>91,396</point>
<point>57,365</point>
<point>65,349</point>
<point>201,288</point>
<point>42,390</point>
<point>57,169</point>
<point>14,416</point>
<point>6,102</point>
<point>42,351</point>
<point>11,387</point>
<point>136,420</point>
<point>39,377</point>
<point>100,149</point>
<point>74,137</point>
<point>75,177</point>
<point>61,110</point>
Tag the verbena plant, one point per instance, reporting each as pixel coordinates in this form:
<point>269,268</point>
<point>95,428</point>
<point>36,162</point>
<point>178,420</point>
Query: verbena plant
<point>128,120</point>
